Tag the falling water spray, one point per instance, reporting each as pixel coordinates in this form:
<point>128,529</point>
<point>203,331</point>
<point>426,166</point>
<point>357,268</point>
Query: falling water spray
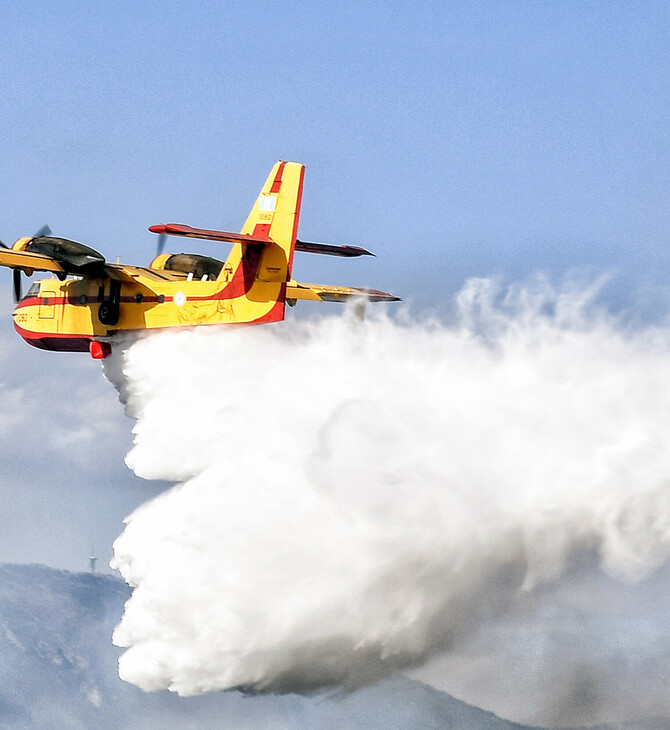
<point>352,496</point>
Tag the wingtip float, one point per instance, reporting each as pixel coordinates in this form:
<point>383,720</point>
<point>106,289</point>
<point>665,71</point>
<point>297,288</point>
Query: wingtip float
<point>88,300</point>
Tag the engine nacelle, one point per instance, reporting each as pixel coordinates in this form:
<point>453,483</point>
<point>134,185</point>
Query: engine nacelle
<point>188,263</point>
<point>73,256</point>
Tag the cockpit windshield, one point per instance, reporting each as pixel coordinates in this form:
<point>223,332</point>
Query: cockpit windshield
<point>33,291</point>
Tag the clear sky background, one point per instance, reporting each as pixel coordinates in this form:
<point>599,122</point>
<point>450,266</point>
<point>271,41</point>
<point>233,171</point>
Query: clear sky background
<point>452,139</point>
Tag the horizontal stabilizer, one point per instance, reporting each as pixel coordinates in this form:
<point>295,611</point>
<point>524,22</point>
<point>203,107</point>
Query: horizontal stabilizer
<point>327,249</point>
<point>320,293</point>
<point>178,229</point>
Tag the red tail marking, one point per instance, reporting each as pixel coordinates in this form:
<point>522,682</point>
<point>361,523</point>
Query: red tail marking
<point>276,185</point>
<point>261,231</point>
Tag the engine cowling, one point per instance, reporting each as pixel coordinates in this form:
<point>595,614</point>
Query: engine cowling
<point>75,257</point>
<point>189,263</point>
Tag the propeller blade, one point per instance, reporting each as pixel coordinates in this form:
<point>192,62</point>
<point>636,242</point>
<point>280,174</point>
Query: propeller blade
<point>160,245</point>
<point>43,231</point>
<point>17,284</point>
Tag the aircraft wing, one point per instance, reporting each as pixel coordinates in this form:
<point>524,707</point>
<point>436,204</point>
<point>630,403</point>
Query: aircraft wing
<point>124,272</point>
<point>29,261</point>
<point>320,293</point>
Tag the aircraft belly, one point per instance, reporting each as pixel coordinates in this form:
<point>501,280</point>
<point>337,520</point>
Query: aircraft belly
<point>45,340</point>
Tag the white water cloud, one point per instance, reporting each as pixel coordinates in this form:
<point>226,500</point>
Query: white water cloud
<point>355,495</point>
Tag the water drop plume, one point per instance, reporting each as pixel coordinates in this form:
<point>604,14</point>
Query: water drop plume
<point>353,495</point>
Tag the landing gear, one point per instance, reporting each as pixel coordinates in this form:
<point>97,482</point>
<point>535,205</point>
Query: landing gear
<point>108,312</point>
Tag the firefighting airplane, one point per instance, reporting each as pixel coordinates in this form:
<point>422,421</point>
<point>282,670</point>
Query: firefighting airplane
<point>88,301</point>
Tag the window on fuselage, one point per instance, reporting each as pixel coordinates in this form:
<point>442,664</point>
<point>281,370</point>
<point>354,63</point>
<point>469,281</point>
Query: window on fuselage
<point>33,291</point>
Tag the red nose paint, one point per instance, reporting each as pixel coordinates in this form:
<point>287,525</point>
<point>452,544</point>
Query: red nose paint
<point>99,350</point>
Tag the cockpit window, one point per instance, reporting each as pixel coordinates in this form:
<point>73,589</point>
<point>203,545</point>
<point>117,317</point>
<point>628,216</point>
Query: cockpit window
<point>33,291</point>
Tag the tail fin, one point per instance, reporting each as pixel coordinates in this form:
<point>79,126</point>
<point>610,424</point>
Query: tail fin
<point>257,270</point>
<point>274,217</point>
<point>255,282</point>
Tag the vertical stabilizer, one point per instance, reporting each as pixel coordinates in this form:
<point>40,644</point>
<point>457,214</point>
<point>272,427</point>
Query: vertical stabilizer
<point>260,271</point>
<point>275,217</point>
<point>277,209</point>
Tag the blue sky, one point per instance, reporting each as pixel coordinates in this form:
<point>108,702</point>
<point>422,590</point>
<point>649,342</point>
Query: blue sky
<point>453,139</point>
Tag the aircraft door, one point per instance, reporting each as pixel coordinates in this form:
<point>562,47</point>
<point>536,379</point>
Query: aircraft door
<point>46,310</point>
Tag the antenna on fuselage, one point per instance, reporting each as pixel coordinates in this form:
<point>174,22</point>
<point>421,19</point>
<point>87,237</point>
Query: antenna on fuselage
<point>92,560</point>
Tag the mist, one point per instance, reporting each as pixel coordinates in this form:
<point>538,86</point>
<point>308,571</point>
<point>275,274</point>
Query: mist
<point>357,497</point>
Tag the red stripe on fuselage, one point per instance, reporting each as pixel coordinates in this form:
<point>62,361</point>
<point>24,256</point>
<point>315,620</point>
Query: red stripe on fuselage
<point>238,286</point>
<point>241,282</point>
<point>58,342</point>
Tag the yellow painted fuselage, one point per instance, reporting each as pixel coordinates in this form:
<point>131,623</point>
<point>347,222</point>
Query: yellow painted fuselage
<point>65,315</point>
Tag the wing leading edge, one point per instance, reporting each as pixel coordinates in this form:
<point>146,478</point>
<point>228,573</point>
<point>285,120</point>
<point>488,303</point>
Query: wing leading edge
<point>28,261</point>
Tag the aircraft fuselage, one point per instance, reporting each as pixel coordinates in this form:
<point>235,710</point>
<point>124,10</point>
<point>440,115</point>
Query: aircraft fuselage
<point>67,315</point>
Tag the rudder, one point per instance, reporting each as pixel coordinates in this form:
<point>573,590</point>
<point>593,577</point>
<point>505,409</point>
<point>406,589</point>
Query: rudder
<point>275,217</point>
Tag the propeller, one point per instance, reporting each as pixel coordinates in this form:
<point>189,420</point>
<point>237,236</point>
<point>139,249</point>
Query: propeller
<point>17,277</point>
<point>45,230</point>
<point>17,284</point>
<point>160,244</point>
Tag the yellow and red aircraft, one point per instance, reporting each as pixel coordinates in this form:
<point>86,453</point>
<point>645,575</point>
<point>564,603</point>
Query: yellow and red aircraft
<point>88,301</point>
